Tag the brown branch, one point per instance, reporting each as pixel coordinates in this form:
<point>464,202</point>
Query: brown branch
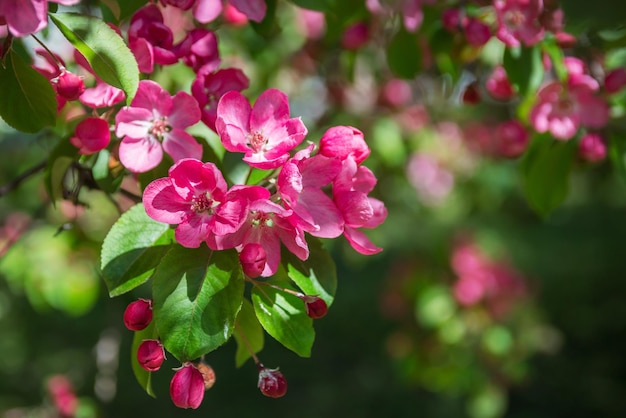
<point>13,184</point>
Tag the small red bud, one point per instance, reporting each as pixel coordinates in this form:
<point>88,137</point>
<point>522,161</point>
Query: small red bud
<point>315,306</point>
<point>471,95</point>
<point>187,387</point>
<point>69,85</point>
<point>208,374</point>
<point>592,148</point>
<point>138,314</point>
<point>252,259</point>
<point>151,355</point>
<point>615,80</point>
<point>272,382</point>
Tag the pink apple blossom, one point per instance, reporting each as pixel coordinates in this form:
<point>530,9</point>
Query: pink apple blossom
<point>206,11</point>
<point>511,139</point>
<point>300,184</point>
<point>208,87</point>
<point>150,39</point>
<point>412,13</point>
<point>615,80</point>
<point>350,194</point>
<point>155,121</point>
<point>562,108</point>
<point>477,33</point>
<point>264,132</point>
<point>592,147</point>
<point>91,135</point>
<point>518,21</point>
<point>498,84</point>
<point>430,179</point>
<point>199,49</point>
<point>25,17</point>
<point>234,16</point>
<point>355,36</point>
<point>195,197</point>
<point>268,225</point>
<point>343,142</point>
<point>101,95</point>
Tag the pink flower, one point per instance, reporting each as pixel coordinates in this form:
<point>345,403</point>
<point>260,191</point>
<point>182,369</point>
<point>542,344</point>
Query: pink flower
<point>155,121</point>
<point>92,135</point>
<point>451,20</point>
<point>476,32</point>
<point>498,84</point>
<point>300,184</point>
<point>102,95</point>
<point>615,80</point>
<point>209,86</point>
<point>150,39</point>
<point>432,182</point>
<point>234,16</point>
<point>355,36</point>
<point>265,133</point>
<point>343,142</point>
<point>518,21</point>
<point>512,139</point>
<point>187,387</point>
<point>195,197</point>
<point>268,225</point>
<point>206,11</point>
<point>25,17</point>
<point>199,49</point>
<point>562,109</point>
<point>350,194</point>
<point>412,14</point>
<point>592,148</point>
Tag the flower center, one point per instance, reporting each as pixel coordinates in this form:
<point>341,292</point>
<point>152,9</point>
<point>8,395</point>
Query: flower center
<point>262,219</point>
<point>203,204</point>
<point>514,19</point>
<point>257,141</point>
<point>159,128</point>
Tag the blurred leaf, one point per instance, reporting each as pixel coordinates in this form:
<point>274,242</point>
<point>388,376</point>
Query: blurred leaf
<point>617,153</point>
<point>248,333</point>
<point>524,67</point>
<point>103,48</point>
<point>144,377</point>
<point>316,275</point>
<point>319,5</point>
<point>107,181</point>
<point>28,100</point>
<point>434,306</point>
<point>132,249</point>
<point>283,315</point>
<point>545,172</point>
<point>555,52</point>
<point>197,295</point>
<point>404,55</point>
<point>268,27</point>
<point>601,14</point>
<point>123,9</point>
<point>59,160</point>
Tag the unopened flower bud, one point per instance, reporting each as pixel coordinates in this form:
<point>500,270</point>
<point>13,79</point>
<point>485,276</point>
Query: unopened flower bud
<point>615,80</point>
<point>471,95</point>
<point>512,139</point>
<point>592,148</point>
<point>208,374</point>
<point>253,259</point>
<point>476,32</point>
<point>451,19</point>
<point>272,382</point>
<point>138,314</point>
<point>151,355</point>
<point>315,306</point>
<point>69,86</point>
<point>187,387</point>
<point>355,36</point>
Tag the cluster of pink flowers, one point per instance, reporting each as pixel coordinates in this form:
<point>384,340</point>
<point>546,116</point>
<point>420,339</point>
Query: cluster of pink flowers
<point>482,279</point>
<point>196,197</point>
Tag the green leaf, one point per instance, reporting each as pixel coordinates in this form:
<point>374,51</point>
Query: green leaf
<point>103,48</point>
<point>248,333</point>
<point>197,295</point>
<point>617,153</point>
<point>132,250</point>
<point>108,181</point>
<point>28,100</point>
<point>555,52</point>
<point>144,377</point>
<point>268,27</point>
<point>316,275</point>
<point>545,172</point>
<point>404,55</point>
<point>524,68</point>
<point>283,315</point>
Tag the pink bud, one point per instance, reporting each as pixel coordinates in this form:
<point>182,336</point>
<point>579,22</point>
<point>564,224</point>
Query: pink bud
<point>138,314</point>
<point>451,19</point>
<point>512,139</point>
<point>471,95</point>
<point>69,85</point>
<point>253,259</point>
<point>592,148</point>
<point>355,36</point>
<point>344,141</point>
<point>234,16</point>
<point>187,387</point>
<point>91,135</point>
<point>615,80</point>
<point>315,306</point>
<point>272,382</point>
<point>151,355</point>
<point>498,84</point>
<point>476,32</point>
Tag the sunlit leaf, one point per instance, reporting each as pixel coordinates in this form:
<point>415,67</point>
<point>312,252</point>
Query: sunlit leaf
<point>248,334</point>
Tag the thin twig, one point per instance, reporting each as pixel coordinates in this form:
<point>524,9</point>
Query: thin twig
<point>13,184</point>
